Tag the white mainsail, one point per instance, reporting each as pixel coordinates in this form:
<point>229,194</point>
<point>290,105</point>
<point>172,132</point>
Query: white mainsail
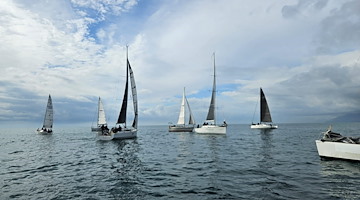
<point>101,114</point>
<point>181,120</point>
<point>48,119</point>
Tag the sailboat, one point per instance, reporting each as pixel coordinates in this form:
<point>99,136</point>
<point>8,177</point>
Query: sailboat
<point>265,116</point>
<point>121,130</point>
<point>209,126</point>
<point>48,119</point>
<point>181,126</point>
<point>101,119</point>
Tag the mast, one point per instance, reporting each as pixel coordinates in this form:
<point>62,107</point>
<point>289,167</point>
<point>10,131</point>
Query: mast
<point>211,114</point>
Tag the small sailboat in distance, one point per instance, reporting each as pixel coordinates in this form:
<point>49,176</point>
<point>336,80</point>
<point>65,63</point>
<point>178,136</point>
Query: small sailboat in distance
<point>121,131</point>
<point>209,126</point>
<point>265,116</point>
<point>101,117</point>
<point>48,119</point>
<point>181,126</point>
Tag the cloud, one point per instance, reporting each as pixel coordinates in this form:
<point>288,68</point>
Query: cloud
<point>305,55</point>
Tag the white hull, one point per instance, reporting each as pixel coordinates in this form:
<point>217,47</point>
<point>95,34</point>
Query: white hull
<point>211,129</point>
<point>43,132</point>
<point>105,137</point>
<point>124,134</point>
<point>338,150</point>
<point>181,128</point>
<point>263,126</point>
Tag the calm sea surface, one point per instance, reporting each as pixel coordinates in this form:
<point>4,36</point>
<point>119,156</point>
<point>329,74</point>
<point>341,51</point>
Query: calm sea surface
<point>244,164</point>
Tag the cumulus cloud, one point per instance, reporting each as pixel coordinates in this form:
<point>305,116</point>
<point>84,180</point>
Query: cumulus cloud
<point>305,55</point>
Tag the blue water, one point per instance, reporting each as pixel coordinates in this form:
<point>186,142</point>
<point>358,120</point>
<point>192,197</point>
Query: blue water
<point>244,164</point>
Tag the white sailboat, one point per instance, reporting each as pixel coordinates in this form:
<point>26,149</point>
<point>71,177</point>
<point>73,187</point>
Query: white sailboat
<point>265,116</point>
<point>101,118</point>
<point>121,130</point>
<point>101,128</point>
<point>48,119</point>
<point>334,145</point>
<point>181,126</point>
<point>209,126</point>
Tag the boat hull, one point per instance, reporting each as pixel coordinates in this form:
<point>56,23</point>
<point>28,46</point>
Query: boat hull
<point>338,150</point>
<point>124,134</point>
<point>95,129</point>
<point>105,137</point>
<point>43,132</point>
<point>263,126</point>
<point>211,129</point>
<point>180,129</point>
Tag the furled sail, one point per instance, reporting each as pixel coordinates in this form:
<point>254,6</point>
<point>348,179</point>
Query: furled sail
<point>264,108</point>
<point>48,119</point>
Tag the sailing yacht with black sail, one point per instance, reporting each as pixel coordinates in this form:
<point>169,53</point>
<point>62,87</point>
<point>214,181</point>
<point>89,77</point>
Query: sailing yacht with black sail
<point>121,130</point>
<point>181,126</point>
<point>48,119</point>
<point>265,116</point>
<point>209,126</point>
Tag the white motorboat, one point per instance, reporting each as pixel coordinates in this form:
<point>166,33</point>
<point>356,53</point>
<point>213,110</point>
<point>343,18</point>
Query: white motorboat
<point>334,145</point>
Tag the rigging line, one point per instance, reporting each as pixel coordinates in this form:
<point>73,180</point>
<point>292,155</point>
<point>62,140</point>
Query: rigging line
<point>252,121</point>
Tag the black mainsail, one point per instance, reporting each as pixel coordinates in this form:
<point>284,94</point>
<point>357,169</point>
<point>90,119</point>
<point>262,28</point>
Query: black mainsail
<point>122,114</point>
<point>264,108</point>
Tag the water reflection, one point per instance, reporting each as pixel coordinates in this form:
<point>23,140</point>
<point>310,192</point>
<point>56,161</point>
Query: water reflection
<point>128,169</point>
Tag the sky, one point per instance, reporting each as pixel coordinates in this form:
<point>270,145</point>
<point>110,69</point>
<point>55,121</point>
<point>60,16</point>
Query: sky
<point>305,54</point>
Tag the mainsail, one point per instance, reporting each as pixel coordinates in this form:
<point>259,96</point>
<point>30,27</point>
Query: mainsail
<point>101,113</point>
<point>48,119</point>
<point>122,114</point>
<point>181,120</point>
<point>211,114</point>
<point>264,108</point>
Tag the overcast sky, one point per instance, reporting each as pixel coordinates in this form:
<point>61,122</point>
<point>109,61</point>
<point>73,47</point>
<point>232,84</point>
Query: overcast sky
<point>305,54</point>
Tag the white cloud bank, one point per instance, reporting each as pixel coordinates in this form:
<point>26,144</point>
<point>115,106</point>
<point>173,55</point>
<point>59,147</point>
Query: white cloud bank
<point>305,55</point>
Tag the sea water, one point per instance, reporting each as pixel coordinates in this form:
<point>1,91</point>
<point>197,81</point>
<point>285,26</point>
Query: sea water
<point>245,164</point>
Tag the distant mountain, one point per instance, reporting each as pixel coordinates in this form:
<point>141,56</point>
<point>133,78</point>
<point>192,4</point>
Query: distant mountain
<point>350,117</point>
